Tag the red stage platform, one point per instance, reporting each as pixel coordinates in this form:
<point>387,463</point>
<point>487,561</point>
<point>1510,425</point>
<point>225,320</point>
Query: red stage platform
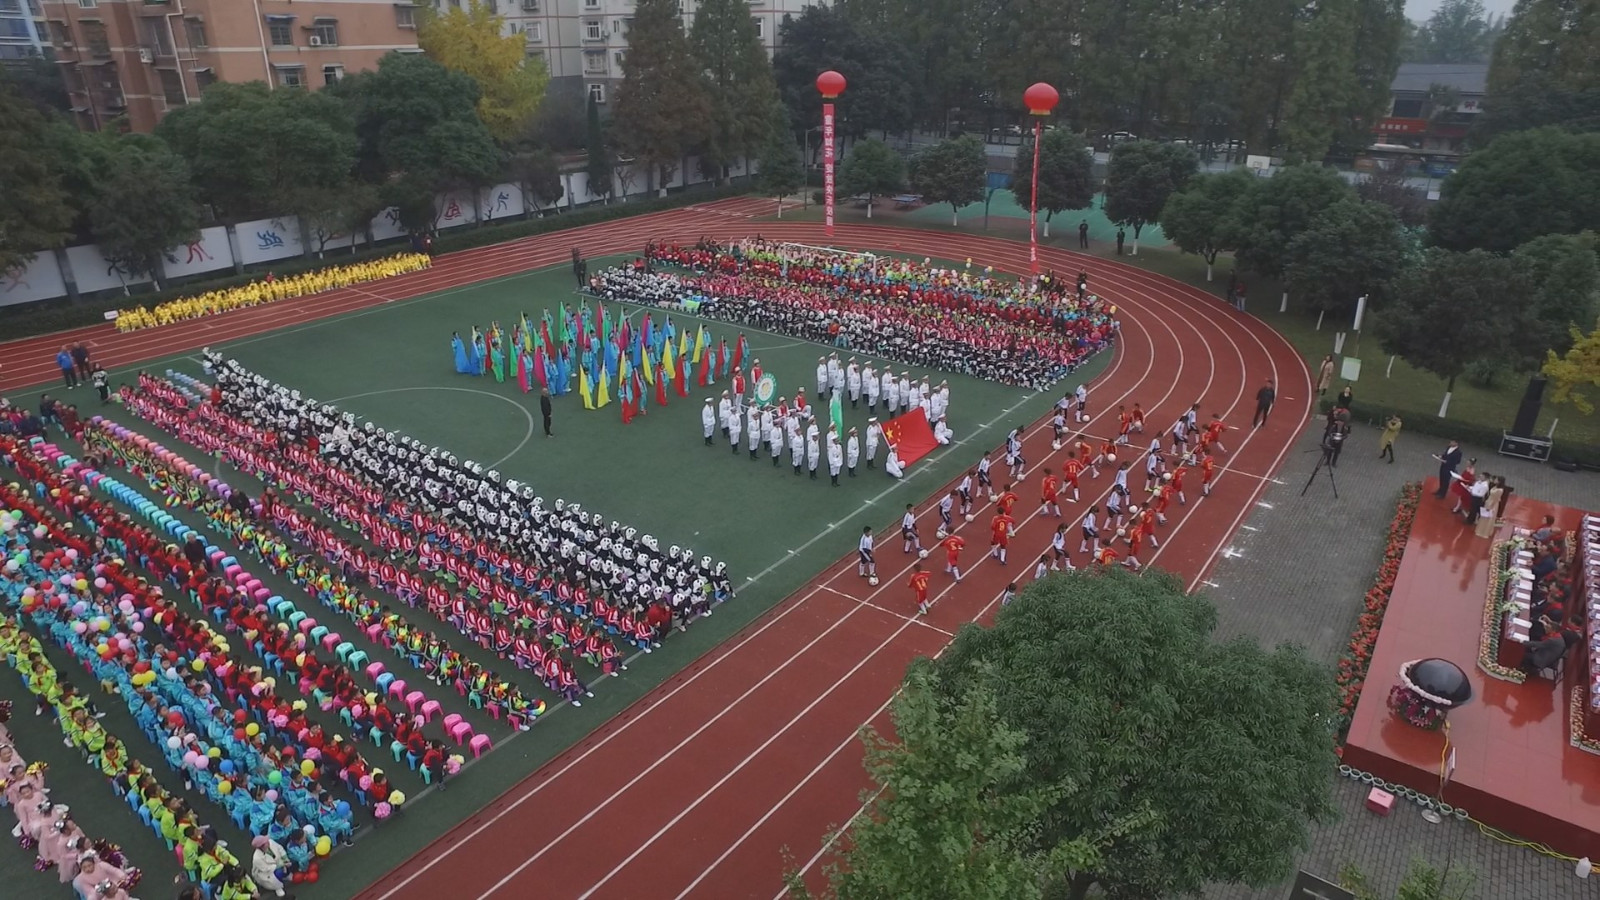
<point>1515,767</point>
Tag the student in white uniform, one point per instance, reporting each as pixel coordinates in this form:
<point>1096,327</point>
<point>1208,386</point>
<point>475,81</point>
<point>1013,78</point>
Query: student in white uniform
<point>813,447</point>
<point>1091,531</point>
<point>835,458</point>
<point>908,531</point>
<point>822,378</point>
<point>852,452</point>
<point>891,464</point>
<point>735,430</point>
<point>964,489</point>
<point>891,394</point>
<point>852,381</point>
<point>1058,549</point>
<point>866,565</point>
<point>984,482</point>
<point>774,438</point>
<point>871,387</point>
<point>753,428</point>
<point>874,435</point>
<point>942,434</point>
<point>1082,396</point>
<point>947,508</point>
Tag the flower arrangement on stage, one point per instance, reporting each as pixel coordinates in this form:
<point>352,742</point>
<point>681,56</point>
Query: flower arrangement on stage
<point>1580,738</point>
<point>269,289</point>
<point>1415,705</point>
<point>1352,673</point>
<point>1494,612</point>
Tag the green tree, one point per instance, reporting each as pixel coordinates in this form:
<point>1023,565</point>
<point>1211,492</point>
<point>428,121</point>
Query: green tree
<point>328,214</point>
<point>36,212</point>
<point>559,122</point>
<point>1065,174</point>
<point>1197,219</point>
<point>36,81</point>
<point>780,174</point>
<point>1519,187</point>
<point>248,146</point>
<point>952,816</point>
<point>1276,210</point>
<point>1564,283</point>
<point>1542,71</point>
<point>418,134</point>
<point>953,171</point>
<point>472,40</point>
<point>599,159</point>
<point>878,96</point>
<point>873,169</point>
<point>1447,312</point>
<point>1326,50</point>
<point>1208,760</point>
<point>538,173</point>
<point>143,205</point>
<point>1142,175</point>
<point>1380,31</point>
<point>662,109</point>
<point>739,83</point>
<point>1458,31</point>
<point>1351,249</point>
<point>1390,186</point>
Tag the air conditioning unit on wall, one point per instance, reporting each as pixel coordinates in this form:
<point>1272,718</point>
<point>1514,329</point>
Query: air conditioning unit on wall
<point>316,41</point>
<point>146,55</point>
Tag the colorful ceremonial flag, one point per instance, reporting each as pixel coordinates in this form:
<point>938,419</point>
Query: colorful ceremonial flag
<point>538,368</point>
<point>661,386</point>
<point>683,344</point>
<point>699,345</point>
<point>522,371</point>
<point>739,349</point>
<point>682,378</point>
<point>584,390</point>
<point>602,395</point>
<point>836,414</point>
<point>724,358</point>
<point>669,363</point>
<point>649,367</point>
<point>705,370</point>
<point>497,361</point>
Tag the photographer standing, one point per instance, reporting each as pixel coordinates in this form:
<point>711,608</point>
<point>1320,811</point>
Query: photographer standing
<point>1391,430</point>
<point>1333,440</point>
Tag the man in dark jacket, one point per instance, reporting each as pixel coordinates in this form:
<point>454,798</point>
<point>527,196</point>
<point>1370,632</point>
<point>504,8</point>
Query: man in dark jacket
<point>1264,400</point>
<point>544,409</point>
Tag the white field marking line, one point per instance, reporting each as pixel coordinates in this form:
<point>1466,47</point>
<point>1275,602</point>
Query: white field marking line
<point>698,731</point>
<point>932,505</point>
<point>918,620</point>
<point>494,465</point>
<point>987,557</point>
<point>1117,362</point>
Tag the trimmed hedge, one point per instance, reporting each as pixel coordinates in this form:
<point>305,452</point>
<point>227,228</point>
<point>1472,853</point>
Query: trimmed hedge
<point>48,316</point>
<point>1479,433</point>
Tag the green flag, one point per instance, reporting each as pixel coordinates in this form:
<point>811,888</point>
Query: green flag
<point>836,415</point>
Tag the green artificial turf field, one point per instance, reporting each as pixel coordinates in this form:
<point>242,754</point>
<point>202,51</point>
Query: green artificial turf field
<point>392,364</point>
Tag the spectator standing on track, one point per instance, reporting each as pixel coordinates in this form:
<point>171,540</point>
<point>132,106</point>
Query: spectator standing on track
<point>64,362</point>
<point>1122,235</point>
<point>1083,235</point>
<point>80,359</point>
<point>1264,400</point>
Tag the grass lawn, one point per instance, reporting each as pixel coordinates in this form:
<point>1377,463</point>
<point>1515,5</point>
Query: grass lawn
<point>392,364</point>
<point>1476,411</point>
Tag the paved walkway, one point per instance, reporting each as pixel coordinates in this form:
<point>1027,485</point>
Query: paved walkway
<point>1297,572</point>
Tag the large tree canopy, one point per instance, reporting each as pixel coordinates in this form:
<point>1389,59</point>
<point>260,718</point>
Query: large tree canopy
<point>36,213</point>
<point>1065,174</point>
<point>662,108</point>
<point>952,171</point>
<point>1143,174</point>
<point>745,109</point>
<point>471,40</point>
<point>1350,249</point>
<point>1176,760</point>
<point>1543,70</point>
<point>1278,209</point>
<point>1198,219</point>
<point>1523,185</point>
<point>1449,311</point>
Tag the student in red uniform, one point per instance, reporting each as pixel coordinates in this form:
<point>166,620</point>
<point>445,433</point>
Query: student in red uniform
<point>1070,470</point>
<point>1084,450</point>
<point>1162,499</point>
<point>1177,484</point>
<point>1135,540</point>
<point>1137,415</point>
<point>1000,536</point>
<point>953,545</point>
<point>1106,456</point>
<point>1208,467</point>
<point>1049,492</point>
<point>1007,499</point>
<point>1106,556</point>
<point>919,584</point>
<point>1124,424</point>
<point>1213,433</point>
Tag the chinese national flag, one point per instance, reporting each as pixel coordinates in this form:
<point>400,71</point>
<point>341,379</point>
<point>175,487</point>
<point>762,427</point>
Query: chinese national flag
<point>891,432</point>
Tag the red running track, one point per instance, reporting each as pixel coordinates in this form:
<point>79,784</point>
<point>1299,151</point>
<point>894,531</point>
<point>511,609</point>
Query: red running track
<point>697,788</point>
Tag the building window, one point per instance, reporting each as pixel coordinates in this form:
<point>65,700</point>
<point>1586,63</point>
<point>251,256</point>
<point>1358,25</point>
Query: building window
<point>14,28</point>
<point>591,30</point>
<point>594,63</point>
<point>10,6</point>
<point>530,6</point>
<point>591,4</point>
<point>155,36</point>
<point>291,76</point>
<point>61,33</point>
<point>618,57</point>
<point>94,34</point>
<point>172,87</point>
<point>280,31</point>
<point>325,32</point>
<point>34,10</point>
<point>87,4</point>
<point>761,27</point>
<point>332,74</point>
<point>534,32</point>
<point>597,93</point>
<point>1407,109</point>
<point>204,78</point>
<point>195,29</point>
<point>405,16</point>
<point>535,54</point>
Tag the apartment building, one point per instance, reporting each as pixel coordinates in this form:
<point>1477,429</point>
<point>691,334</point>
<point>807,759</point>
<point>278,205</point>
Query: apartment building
<point>21,30</point>
<point>140,58</point>
<point>586,40</point>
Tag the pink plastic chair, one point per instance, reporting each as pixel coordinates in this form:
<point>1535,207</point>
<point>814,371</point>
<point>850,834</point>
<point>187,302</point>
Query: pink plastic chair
<point>307,624</point>
<point>414,700</point>
<point>461,732</point>
<point>397,688</point>
<point>480,745</point>
<point>373,631</point>
<point>430,709</point>
<point>451,721</point>
<point>374,670</point>
<point>331,640</point>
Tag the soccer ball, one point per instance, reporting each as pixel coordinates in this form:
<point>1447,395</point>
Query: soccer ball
<point>993,496</point>
<point>1083,417</point>
<point>922,554</point>
<point>1111,457</point>
<point>1055,445</point>
<point>1122,532</point>
<point>873,581</point>
<point>1166,476</point>
<point>942,534</point>
<point>971,517</point>
<point>1133,508</point>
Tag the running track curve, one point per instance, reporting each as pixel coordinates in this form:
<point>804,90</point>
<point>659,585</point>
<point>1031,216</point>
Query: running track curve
<point>698,788</point>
